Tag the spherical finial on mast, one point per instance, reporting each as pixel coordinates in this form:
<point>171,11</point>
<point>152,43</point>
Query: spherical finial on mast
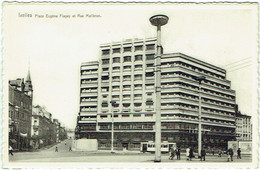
<point>159,20</point>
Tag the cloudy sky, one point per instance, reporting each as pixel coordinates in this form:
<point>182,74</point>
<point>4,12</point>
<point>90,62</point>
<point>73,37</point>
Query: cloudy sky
<point>223,35</point>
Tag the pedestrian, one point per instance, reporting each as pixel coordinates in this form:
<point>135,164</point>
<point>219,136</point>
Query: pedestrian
<point>171,153</point>
<point>70,149</point>
<point>238,153</point>
<point>230,154</point>
<point>203,154</point>
<point>213,152</point>
<point>187,153</point>
<point>219,153</point>
<point>191,154</point>
<point>65,143</point>
<point>56,149</point>
<point>178,153</point>
<point>10,150</point>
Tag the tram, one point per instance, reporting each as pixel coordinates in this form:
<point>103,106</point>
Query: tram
<point>150,146</point>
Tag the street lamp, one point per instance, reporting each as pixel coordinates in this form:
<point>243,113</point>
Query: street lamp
<point>113,103</point>
<point>158,21</point>
<point>199,79</point>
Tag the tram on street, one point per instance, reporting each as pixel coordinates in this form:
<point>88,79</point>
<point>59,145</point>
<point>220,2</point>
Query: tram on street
<point>150,146</point>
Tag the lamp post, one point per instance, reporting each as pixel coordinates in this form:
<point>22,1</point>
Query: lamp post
<point>158,21</point>
<point>199,79</point>
<point>113,103</point>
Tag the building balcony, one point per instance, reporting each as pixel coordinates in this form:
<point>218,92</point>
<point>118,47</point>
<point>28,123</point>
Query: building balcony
<point>89,75</point>
<point>149,81</point>
<point>138,62</point>
<point>116,72</point>
<point>126,110</point>
<point>126,81</point>
<point>117,54</point>
<point>149,61</point>
<point>179,100</point>
<point>104,82</point>
<point>136,109</point>
<point>89,85</point>
<point>104,110</point>
<point>138,90</point>
<point>88,103</point>
<point>217,116</point>
<point>88,110</point>
<point>116,83</point>
<point>138,71</point>
<point>105,73</point>
<point>126,100</point>
<point>91,94</point>
<point>87,121</point>
<point>127,72</point>
<point>149,109</point>
<point>218,107</point>
<point>128,53</point>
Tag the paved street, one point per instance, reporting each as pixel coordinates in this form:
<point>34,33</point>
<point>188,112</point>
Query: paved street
<point>63,155</point>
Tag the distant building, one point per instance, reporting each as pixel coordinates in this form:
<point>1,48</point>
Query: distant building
<point>43,132</point>
<point>125,74</point>
<point>20,113</point>
<point>70,134</point>
<point>243,127</point>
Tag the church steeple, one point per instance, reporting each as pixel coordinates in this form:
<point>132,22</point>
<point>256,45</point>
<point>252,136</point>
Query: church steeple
<point>28,85</point>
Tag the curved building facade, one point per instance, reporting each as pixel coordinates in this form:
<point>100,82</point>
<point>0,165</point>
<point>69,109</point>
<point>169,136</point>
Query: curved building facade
<point>125,74</point>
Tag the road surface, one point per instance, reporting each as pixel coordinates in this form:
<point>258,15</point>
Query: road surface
<point>64,155</point>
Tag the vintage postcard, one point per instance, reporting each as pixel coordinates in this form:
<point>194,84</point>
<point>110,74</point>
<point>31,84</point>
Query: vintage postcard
<point>130,85</point>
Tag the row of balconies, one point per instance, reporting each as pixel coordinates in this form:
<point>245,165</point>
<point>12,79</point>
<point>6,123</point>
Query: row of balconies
<point>218,92</point>
<point>180,61</point>
<point>151,118</point>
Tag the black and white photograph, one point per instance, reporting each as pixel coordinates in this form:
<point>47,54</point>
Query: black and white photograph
<point>138,85</point>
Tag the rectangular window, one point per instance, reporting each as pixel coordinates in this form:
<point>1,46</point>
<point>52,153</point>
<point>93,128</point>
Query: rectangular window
<point>138,95</point>
<point>149,65</point>
<point>150,47</point>
<point>105,61</point>
<point>138,66</point>
<point>127,59</point>
<point>105,52</point>
<point>138,86</point>
<point>138,58</point>
<point>138,77</point>
<point>139,48</point>
<point>127,67</point>
<point>105,69</point>
<point>128,77</point>
<point>116,60</point>
<point>127,49</point>
<point>149,56</point>
<point>116,50</point>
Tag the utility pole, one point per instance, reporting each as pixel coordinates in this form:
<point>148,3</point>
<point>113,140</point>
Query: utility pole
<point>158,21</point>
<point>113,103</point>
<point>199,79</point>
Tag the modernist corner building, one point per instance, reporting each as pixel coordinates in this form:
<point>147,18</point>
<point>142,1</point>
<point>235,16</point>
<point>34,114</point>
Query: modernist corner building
<point>125,74</point>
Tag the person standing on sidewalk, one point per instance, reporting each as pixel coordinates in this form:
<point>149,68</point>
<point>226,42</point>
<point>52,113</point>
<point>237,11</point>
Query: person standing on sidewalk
<point>56,149</point>
<point>230,154</point>
<point>191,154</point>
<point>70,149</point>
<point>178,153</point>
<point>203,154</point>
<point>10,150</point>
<point>187,153</point>
<point>171,153</point>
<point>219,153</point>
<point>238,153</point>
